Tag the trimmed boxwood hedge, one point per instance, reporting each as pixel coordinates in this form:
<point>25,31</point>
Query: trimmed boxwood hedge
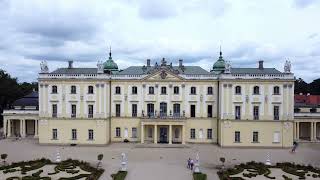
<point>199,176</point>
<point>258,168</point>
<point>67,166</point>
<point>120,175</point>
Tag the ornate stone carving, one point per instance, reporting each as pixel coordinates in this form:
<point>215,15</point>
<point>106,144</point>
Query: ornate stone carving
<point>227,68</point>
<point>44,67</point>
<point>100,67</point>
<point>163,74</point>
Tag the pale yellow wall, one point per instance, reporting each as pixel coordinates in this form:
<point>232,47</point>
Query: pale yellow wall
<point>125,123</point>
<point>266,130</point>
<point>64,127</point>
<point>203,124</point>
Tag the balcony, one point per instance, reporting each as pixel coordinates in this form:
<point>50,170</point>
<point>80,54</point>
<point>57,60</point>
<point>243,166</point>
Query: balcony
<point>163,116</point>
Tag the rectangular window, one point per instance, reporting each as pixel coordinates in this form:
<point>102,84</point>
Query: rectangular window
<point>210,90</point>
<point>134,132</point>
<point>118,132</point>
<point>276,112</point>
<point>192,110</point>
<point>192,133</point>
<point>73,111</point>
<point>74,134</point>
<point>134,110</point>
<point>90,111</point>
<point>256,112</point>
<point>276,137</point>
<point>255,137</point>
<point>209,111</point>
<point>118,110</point>
<point>237,136</point>
<point>90,89</point>
<point>176,110</point>
<point>118,90</point>
<point>90,134</point>
<point>134,90</point>
<point>209,133</point>
<point>73,90</point>
<point>193,90</point>
<point>54,90</point>
<point>54,110</point>
<point>238,112</point>
<point>150,110</point>
<point>176,90</point>
<point>151,90</point>
<point>163,90</point>
<point>54,134</point>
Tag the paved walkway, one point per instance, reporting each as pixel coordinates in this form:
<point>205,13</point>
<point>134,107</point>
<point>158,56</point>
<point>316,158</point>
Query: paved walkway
<point>158,163</point>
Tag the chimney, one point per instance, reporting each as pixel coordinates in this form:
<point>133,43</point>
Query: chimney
<point>148,63</point>
<point>70,64</point>
<point>180,62</point>
<point>260,64</point>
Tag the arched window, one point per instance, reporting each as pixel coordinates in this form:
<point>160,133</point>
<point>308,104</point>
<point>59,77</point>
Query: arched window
<point>118,90</point>
<point>134,90</point>
<point>193,90</point>
<point>276,90</point>
<point>90,89</point>
<point>54,90</point>
<point>238,89</point>
<point>256,90</point>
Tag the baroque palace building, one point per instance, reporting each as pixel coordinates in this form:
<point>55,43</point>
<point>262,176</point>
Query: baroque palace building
<point>160,103</point>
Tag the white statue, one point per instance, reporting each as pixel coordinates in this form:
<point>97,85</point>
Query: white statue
<point>227,67</point>
<point>287,66</point>
<point>100,67</point>
<point>197,164</point>
<point>123,162</point>
<point>44,67</point>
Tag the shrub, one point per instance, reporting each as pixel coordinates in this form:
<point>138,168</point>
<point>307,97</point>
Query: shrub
<point>4,157</point>
<point>199,176</point>
<point>126,140</point>
<point>120,175</point>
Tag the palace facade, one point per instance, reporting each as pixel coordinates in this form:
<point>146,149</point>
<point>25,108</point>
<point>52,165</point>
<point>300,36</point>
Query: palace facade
<point>160,103</point>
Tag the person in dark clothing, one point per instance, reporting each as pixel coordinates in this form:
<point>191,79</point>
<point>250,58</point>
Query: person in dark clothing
<point>295,145</point>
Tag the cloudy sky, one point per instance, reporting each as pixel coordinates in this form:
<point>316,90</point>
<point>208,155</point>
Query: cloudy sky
<point>193,30</point>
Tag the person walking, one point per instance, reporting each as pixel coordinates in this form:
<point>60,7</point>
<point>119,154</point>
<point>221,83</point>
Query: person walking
<point>191,164</point>
<point>295,145</point>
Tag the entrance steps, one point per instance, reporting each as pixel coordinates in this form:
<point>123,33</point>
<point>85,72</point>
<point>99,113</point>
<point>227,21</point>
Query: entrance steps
<point>151,145</point>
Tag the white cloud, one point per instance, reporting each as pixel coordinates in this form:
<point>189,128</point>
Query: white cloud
<point>34,30</point>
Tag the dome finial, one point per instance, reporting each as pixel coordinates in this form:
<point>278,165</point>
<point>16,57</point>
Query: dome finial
<point>110,53</point>
<point>220,51</point>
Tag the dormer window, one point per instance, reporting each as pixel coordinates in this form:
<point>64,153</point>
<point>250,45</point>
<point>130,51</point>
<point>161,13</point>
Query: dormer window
<point>256,90</point>
<point>54,90</point>
<point>193,90</point>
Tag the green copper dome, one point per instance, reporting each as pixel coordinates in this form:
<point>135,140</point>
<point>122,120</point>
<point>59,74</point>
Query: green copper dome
<point>110,65</point>
<point>219,66</point>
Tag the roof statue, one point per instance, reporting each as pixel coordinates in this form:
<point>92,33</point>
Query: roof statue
<point>100,67</point>
<point>44,67</point>
<point>287,66</point>
<point>227,69</point>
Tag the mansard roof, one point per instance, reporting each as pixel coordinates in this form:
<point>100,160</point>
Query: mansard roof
<point>255,71</point>
<point>140,70</point>
<point>75,71</point>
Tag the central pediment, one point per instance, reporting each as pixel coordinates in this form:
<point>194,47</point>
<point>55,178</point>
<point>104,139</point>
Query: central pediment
<point>162,74</point>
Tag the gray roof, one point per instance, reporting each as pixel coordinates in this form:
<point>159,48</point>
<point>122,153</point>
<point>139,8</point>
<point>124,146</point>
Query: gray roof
<point>75,71</point>
<point>138,70</point>
<point>254,71</point>
<point>28,100</point>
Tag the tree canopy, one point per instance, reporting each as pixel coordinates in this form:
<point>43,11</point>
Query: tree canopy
<point>302,87</point>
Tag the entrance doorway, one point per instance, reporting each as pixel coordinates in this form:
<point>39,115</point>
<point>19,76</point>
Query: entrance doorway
<point>163,135</point>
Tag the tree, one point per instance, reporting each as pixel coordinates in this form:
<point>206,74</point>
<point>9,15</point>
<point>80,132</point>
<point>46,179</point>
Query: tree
<point>100,157</point>
<point>4,157</point>
<point>223,160</point>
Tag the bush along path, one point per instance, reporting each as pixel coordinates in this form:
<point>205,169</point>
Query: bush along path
<point>69,166</point>
<point>120,175</point>
<point>255,169</point>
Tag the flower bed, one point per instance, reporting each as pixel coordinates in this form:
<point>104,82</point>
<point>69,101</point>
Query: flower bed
<point>257,169</point>
<point>120,175</point>
<point>69,166</point>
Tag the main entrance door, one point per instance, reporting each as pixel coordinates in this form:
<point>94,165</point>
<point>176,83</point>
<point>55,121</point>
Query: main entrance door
<point>163,135</point>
